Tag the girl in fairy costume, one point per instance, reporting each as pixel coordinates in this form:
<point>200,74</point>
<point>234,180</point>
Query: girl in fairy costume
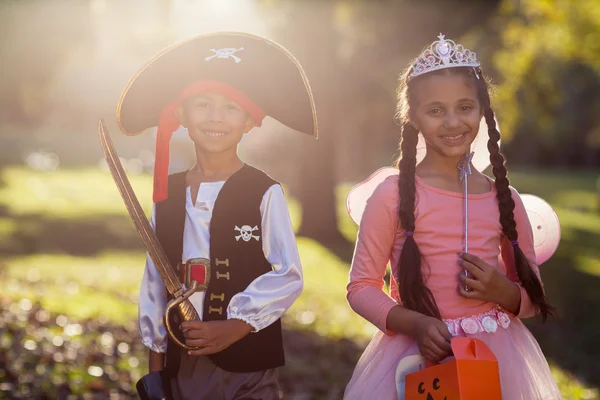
<point>415,221</point>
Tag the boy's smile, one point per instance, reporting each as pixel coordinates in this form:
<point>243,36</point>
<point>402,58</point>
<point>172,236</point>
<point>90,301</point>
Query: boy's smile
<point>215,123</point>
<point>214,133</point>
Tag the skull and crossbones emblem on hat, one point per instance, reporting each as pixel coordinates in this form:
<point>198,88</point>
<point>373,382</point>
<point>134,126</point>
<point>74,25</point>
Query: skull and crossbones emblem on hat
<point>225,53</point>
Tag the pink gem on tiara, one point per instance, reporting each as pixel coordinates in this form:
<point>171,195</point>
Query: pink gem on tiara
<point>443,49</point>
<point>443,53</point>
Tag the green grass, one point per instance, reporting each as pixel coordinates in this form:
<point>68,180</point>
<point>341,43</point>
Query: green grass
<point>322,307</point>
<point>81,287</point>
<point>105,282</point>
<point>68,194</point>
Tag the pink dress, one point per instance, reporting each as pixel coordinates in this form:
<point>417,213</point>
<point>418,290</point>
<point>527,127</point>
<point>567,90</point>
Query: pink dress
<point>524,372</point>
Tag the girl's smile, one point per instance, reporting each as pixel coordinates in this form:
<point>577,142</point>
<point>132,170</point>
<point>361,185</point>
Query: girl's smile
<point>455,140</point>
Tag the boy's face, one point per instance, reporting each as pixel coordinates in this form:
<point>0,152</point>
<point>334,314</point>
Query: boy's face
<point>215,123</point>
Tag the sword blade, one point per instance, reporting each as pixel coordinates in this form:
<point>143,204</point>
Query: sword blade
<point>145,231</point>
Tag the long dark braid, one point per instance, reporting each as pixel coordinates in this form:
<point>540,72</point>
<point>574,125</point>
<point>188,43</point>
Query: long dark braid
<point>413,291</point>
<point>415,294</point>
<point>506,204</point>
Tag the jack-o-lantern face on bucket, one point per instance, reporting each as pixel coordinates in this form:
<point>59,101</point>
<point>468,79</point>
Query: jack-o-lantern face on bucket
<point>471,375</point>
<point>435,385</point>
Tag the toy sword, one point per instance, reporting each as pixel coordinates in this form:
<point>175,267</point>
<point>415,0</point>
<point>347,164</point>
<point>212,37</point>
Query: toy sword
<point>172,283</point>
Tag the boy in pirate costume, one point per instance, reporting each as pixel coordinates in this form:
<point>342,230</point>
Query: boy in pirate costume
<point>223,223</point>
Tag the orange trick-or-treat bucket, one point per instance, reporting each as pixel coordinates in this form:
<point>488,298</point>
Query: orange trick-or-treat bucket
<point>472,375</point>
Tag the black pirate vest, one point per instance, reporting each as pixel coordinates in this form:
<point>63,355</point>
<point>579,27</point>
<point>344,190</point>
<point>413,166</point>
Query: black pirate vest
<point>236,258</point>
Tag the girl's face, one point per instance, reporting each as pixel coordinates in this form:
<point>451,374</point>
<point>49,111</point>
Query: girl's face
<point>215,123</point>
<point>447,112</point>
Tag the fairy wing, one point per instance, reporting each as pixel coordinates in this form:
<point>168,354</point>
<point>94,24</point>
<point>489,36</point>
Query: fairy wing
<point>360,193</point>
<point>545,225</point>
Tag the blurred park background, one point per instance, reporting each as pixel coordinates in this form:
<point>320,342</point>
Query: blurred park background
<point>71,261</point>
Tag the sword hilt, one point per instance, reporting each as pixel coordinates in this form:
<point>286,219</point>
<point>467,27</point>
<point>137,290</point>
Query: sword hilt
<point>179,302</point>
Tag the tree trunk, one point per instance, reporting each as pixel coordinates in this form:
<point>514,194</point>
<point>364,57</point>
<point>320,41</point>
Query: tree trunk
<point>315,159</point>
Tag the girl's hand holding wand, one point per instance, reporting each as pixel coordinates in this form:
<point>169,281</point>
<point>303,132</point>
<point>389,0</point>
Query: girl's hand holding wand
<point>488,284</point>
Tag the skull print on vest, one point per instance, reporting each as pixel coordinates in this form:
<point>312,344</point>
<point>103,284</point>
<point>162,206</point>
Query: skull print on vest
<point>246,233</point>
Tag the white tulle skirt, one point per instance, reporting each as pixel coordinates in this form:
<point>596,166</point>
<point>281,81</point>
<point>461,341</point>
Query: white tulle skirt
<point>524,371</point>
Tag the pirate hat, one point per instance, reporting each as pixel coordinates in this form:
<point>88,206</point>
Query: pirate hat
<point>263,70</point>
<point>259,74</point>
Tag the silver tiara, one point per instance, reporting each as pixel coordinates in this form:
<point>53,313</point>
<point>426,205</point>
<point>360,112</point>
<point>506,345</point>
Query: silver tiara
<point>443,54</point>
